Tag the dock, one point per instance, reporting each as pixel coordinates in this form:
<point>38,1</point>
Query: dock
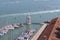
<point>39,32</point>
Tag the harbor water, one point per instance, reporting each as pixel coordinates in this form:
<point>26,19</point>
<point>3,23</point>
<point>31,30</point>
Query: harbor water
<point>15,11</point>
<point>13,34</point>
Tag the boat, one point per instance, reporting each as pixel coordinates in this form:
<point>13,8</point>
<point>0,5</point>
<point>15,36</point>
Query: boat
<point>26,35</point>
<point>1,33</point>
<point>15,25</point>
<point>21,25</point>
<point>10,27</point>
<point>3,30</point>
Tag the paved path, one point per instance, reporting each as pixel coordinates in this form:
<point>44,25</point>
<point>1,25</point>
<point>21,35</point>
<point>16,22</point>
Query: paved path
<point>35,37</point>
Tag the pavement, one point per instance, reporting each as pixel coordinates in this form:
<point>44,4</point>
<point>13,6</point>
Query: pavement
<point>39,32</point>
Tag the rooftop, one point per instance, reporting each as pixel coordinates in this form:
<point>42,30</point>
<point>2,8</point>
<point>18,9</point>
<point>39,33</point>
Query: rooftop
<point>52,31</point>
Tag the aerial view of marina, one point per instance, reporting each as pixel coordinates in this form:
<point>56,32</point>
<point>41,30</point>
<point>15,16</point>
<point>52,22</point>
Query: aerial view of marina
<point>29,19</point>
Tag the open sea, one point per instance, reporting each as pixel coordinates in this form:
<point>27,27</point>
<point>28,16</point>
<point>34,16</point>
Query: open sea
<point>15,11</point>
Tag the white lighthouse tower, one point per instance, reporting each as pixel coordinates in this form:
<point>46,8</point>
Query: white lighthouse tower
<point>28,19</point>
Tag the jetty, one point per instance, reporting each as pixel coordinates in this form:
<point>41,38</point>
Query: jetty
<point>35,37</point>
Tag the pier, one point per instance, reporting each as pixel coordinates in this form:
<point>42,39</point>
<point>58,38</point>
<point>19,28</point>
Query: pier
<point>39,32</point>
<point>33,23</point>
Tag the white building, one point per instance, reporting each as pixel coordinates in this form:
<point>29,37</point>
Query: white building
<point>28,19</point>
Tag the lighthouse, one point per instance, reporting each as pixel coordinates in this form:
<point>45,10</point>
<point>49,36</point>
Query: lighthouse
<point>28,19</point>
<point>28,22</point>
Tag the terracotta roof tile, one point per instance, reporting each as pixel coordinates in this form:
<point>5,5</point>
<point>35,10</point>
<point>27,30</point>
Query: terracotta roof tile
<point>51,32</point>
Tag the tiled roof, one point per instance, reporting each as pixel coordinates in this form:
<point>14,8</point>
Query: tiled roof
<point>51,32</point>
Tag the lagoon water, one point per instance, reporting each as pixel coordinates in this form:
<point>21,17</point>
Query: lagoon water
<point>10,8</point>
<point>38,18</point>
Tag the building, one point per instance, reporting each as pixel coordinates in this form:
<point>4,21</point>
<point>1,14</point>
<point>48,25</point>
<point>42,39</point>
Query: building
<point>28,22</point>
<point>28,19</point>
<point>52,31</point>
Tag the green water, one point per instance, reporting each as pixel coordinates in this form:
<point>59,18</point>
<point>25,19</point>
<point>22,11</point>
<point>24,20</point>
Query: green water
<point>24,6</point>
<point>13,34</point>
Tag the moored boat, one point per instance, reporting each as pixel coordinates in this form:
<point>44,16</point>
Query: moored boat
<point>26,35</point>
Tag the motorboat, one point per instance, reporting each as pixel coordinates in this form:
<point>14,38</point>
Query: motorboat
<point>26,35</point>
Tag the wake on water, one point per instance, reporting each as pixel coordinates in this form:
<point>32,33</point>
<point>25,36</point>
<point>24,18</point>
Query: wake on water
<point>31,13</point>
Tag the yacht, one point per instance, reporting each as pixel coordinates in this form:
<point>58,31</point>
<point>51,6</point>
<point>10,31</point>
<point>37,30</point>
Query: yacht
<point>26,35</point>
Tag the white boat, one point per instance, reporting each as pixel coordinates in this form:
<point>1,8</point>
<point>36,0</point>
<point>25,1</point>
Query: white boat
<point>15,25</point>
<point>10,27</point>
<point>26,35</point>
<point>1,33</point>
<point>3,30</point>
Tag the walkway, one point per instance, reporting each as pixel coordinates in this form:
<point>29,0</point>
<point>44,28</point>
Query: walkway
<point>35,37</point>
